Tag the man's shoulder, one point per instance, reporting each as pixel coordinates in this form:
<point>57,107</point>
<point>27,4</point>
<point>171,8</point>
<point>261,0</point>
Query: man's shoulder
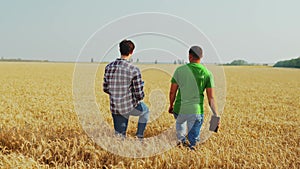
<point>123,64</point>
<point>111,64</point>
<point>134,68</point>
<point>205,69</point>
<point>117,62</point>
<point>130,66</point>
<point>182,67</point>
<point>202,69</point>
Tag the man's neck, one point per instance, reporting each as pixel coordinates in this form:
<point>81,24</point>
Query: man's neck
<point>195,61</point>
<point>126,57</point>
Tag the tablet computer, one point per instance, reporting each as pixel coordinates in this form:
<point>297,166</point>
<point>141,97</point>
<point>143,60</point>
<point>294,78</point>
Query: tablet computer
<point>214,123</point>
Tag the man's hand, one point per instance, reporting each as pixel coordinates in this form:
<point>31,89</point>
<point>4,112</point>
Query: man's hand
<point>171,109</point>
<point>172,95</point>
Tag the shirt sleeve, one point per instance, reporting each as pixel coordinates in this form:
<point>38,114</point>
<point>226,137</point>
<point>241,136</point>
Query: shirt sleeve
<point>105,83</point>
<point>210,81</point>
<point>138,85</point>
<point>175,77</point>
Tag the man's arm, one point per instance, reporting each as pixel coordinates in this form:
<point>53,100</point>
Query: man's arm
<point>172,96</point>
<point>211,100</point>
<point>138,85</point>
<point>105,83</point>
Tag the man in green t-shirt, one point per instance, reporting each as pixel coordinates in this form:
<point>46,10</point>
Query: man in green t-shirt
<point>189,82</point>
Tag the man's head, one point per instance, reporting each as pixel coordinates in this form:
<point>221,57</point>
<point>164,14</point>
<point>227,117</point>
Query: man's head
<point>195,53</point>
<point>126,47</point>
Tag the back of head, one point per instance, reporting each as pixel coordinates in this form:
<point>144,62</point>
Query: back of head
<point>126,47</point>
<point>196,52</point>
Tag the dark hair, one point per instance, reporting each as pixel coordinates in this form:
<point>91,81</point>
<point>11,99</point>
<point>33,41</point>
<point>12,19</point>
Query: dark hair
<point>126,47</point>
<point>196,52</point>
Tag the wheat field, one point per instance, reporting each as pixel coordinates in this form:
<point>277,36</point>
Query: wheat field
<point>39,127</point>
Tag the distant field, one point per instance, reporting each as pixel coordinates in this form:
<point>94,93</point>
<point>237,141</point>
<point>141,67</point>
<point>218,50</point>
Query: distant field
<point>39,127</point>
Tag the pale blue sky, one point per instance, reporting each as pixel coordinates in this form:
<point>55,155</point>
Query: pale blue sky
<point>261,31</point>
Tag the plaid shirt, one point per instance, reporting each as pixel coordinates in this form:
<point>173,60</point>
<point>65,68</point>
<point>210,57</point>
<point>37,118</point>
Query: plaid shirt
<point>123,82</point>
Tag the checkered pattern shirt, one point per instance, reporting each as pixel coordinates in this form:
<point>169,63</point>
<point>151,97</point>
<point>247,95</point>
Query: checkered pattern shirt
<point>123,82</point>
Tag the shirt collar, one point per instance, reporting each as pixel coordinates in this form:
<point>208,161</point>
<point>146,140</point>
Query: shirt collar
<point>123,60</point>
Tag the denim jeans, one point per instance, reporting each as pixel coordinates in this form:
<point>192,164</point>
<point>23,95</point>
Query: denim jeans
<point>193,123</point>
<point>121,121</point>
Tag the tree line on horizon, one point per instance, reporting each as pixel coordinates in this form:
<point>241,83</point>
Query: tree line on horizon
<point>292,63</point>
<point>241,63</point>
<point>20,60</point>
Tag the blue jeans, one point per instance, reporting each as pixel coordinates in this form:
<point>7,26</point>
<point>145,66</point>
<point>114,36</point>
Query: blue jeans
<point>193,123</point>
<point>121,121</point>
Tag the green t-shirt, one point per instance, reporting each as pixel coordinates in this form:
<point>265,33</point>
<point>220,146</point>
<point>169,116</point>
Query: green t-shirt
<point>192,79</point>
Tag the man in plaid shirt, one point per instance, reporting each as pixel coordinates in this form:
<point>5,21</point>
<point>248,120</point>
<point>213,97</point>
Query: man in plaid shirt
<point>123,82</point>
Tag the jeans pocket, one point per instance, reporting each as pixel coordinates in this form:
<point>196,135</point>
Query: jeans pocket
<point>142,107</point>
<point>199,118</point>
<point>139,107</point>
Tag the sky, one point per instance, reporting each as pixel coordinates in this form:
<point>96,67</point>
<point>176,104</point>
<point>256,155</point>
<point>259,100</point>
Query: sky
<point>258,31</point>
